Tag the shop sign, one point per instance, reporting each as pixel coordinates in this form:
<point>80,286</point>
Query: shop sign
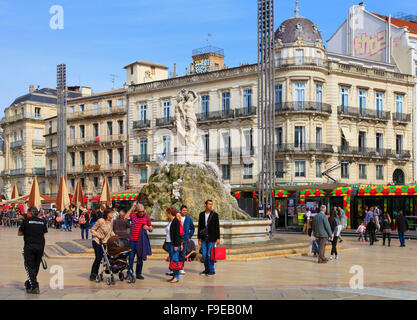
<point>91,167</point>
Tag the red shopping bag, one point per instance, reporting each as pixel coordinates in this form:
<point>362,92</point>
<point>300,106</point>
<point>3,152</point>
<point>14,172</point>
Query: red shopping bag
<point>218,253</point>
<point>173,265</point>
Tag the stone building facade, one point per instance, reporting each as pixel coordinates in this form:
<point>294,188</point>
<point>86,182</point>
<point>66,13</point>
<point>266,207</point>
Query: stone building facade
<point>96,143</point>
<point>331,110</point>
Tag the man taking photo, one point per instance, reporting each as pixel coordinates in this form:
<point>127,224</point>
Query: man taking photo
<point>33,230</point>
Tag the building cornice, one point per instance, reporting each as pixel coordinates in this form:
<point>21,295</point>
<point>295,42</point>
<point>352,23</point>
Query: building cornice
<point>194,78</point>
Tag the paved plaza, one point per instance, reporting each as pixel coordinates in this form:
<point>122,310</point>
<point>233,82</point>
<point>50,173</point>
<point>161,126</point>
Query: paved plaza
<point>389,273</point>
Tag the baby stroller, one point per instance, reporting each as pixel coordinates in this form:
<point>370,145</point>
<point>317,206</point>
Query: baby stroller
<point>115,259</point>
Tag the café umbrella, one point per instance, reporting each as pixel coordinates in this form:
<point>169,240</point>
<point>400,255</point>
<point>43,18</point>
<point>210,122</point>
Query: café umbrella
<point>105,195</point>
<point>78,197</point>
<point>62,199</point>
<point>15,194</point>
<point>34,196</point>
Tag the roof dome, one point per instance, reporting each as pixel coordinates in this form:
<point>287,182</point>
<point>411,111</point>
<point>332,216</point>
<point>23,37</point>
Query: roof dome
<point>291,29</point>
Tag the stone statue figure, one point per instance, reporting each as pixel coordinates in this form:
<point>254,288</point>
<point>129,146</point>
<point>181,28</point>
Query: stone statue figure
<point>188,140</point>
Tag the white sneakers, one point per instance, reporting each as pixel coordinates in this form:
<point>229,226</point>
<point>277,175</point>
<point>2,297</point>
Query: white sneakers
<point>182,272</point>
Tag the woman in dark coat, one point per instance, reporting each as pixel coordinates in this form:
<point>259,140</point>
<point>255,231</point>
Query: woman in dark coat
<point>386,228</point>
<point>175,243</point>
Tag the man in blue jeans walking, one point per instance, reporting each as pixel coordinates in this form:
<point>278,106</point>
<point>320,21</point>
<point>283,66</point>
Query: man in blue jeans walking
<point>188,227</point>
<point>208,236</point>
<point>402,227</point>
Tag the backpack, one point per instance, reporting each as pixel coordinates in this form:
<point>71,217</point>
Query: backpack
<point>82,219</point>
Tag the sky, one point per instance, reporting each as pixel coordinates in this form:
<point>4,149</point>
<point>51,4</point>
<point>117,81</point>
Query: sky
<point>100,37</point>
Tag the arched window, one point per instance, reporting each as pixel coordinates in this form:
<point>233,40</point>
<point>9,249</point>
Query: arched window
<point>398,177</point>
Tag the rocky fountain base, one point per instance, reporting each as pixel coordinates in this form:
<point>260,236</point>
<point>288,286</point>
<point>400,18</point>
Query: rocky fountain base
<point>175,184</point>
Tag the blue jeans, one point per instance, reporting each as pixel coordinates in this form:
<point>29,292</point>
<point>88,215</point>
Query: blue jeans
<point>206,248</point>
<point>92,223</point>
<point>183,253</point>
<point>402,238</point>
<point>69,226</point>
<point>174,256</point>
<point>139,261</point>
<point>65,225</point>
<point>84,230</point>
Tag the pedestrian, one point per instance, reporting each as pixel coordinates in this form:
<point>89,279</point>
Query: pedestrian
<point>271,221</point>
<point>276,219</point>
<point>64,220</point>
<point>188,228</point>
<point>68,220</point>
<point>371,230</point>
<point>368,217</point>
<point>361,230</point>
<point>33,230</point>
<point>139,220</point>
<point>343,221</point>
<point>191,252</point>
<point>322,231</point>
<point>208,236</point>
<point>6,219</point>
<point>84,222</point>
<point>336,227</point>
<point>174,242</point>
<point>402,227</point>
<point>121,225</point>
<point>386,228</point>
<point>102,231</point>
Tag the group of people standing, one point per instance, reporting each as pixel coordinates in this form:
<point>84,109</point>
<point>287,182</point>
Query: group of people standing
<point>327,227</point>
<point>376,221</point>
<point>134,225</point>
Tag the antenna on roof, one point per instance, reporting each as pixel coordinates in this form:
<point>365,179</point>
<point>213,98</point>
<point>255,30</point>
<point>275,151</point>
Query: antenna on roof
<point>296,11</point>
<point>113,78</point>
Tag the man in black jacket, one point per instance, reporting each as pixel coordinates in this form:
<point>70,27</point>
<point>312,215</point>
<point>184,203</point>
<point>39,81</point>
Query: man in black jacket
<point>402,226</point>
<point>33,230</point>
<point>208,236</point>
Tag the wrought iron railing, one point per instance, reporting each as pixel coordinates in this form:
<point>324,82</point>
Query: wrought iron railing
<point>300,106</point>
<point>364,113</point>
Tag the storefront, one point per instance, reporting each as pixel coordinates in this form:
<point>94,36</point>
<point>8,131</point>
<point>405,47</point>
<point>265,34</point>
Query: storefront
<point>390,199</point>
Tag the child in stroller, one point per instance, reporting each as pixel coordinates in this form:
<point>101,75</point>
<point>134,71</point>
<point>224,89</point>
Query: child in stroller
<point>115,259</point>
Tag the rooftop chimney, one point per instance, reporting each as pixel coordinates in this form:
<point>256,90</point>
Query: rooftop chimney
<point>31,88</point>
<point>174,73</point>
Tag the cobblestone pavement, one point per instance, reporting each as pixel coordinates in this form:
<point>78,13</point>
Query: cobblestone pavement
<point>389,273</point>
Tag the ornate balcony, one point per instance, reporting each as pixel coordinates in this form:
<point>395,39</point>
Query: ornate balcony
<point>141,124</point>
<point>17,172</point>
<point>303,106</point>
<point>96,112</point>
<point>16,144</point>
<point>38,171</point>
<point>303,148</point>
<point>51,173</point>
<point>366,152</point>
<point>51,150</point>
<point>166,121</point>
<point>364,113</point>
<point>215,115</point>
<point>300,61</point>
<point>141,158</point>
<point>401,117</point>
<point>245,112</point>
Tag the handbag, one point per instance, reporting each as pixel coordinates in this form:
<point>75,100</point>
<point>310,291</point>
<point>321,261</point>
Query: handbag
<point>165,246</point>
<point>175,265</point>
<point>218,253</point>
